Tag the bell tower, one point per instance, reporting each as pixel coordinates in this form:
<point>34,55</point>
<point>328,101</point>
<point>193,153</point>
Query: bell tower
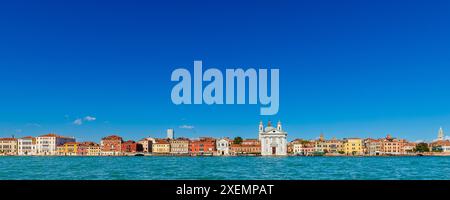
<point>279,126</point>
<point>261,129</point>
<point>441,134</point>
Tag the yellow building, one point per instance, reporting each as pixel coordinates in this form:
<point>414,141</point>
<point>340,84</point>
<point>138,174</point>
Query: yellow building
<point>332,146</point>
<point>353,146</point>
<point>89,149</point>
<point>8,146</point>
<point>94,150</point>
<point>161,147</point>
<point>60,150</point>
<point>68,149</point>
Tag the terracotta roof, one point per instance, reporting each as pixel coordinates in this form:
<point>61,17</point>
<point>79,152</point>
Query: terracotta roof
<point>245,145</point>
<point>28,137</point>
<point>71,143</point>
<point>89,144</point>
<point>8,139</point>
<point>112,137</point>
<point>53,135</point>
<point>49,135</point>
<point>441,143</point>
<point>182,139</point>
<point>161,141</point>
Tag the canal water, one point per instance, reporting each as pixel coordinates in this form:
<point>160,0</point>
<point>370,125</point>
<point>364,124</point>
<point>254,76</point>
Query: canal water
<point>224,168</point>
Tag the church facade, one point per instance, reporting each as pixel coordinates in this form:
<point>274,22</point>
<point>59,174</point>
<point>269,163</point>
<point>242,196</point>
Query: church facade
<point>273,140</point>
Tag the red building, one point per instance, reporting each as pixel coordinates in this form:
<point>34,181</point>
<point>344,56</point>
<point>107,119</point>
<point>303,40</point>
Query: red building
<point>82,149</point>
<point>131,147</point>
<point>112,144</point>
<point>202,146</point>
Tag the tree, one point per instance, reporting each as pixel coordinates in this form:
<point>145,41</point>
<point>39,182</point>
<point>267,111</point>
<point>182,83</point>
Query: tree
<point>238,140</point>
<point>422,147</point>
<point>304,142</point>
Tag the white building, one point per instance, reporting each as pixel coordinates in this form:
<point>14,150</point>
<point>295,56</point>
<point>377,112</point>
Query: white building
<point>273,140</point>
<point>446,148</point>
<point>297,148</point>
<point>223,147</point>
<point>46,144</point>
<point>26,146</point>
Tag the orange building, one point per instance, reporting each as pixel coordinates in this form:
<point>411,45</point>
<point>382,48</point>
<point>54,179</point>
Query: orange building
<point>393,146</point>
<point>111,145</point>
<point>202,146</point>
<point>249,146</point>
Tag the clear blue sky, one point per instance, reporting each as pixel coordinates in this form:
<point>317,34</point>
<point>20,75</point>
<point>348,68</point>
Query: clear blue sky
<point>347,69</point>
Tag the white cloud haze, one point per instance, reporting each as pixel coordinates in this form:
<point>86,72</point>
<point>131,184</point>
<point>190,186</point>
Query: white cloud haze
<point>80,121</point>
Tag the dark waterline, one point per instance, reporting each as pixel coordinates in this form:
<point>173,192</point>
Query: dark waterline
<point>224,168</point>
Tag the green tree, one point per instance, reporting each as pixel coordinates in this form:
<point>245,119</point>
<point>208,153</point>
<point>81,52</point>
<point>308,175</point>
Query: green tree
<point>304,142</point>
<point>422,147</point>
<point>238,140</point>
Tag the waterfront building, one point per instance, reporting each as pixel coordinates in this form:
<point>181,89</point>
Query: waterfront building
<point>26,146</point>
<point>296,147</point>
<point>8,146</point>
<point>409,147</point>
<point>373,147</point>
<point>60,150</point>
<point>247,147</point>
<point>179,146</point>
<point>161,146</point>
<point>147,144</point>
<point>324,146</point>
<point>320,145</point>
<point>273,140</point>
<point>88,149</point>
<point>307,148</point>
<point>392,146</point>
<point>170,134</point>
<point>441,135</point>
<point>46,144</point>
<point>91,149</point>
<point>68,149</point>
<point>290,148</point>
<point>303,147</point>
<point>335,146</point>
<point>202,146</point>
<point>353,146</point>
<point>111,145</point>
<point>443,145</point>
<point>223,146</point>
<point>81,149</point>
<point>131,147</point>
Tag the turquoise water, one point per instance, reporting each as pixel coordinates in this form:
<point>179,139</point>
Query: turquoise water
<point>224,168</point>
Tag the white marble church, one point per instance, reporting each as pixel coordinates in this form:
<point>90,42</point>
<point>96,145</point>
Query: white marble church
<point>273,140</point>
